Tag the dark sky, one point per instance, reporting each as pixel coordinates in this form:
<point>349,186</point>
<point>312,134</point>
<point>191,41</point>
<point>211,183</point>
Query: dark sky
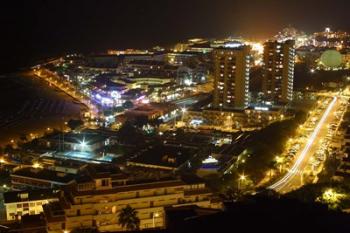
<point>31,29</point>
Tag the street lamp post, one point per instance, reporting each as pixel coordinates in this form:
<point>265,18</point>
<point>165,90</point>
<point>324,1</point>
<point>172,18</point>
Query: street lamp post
<point>242,178</point>
<point>154,215</point>
<point>183,110</point>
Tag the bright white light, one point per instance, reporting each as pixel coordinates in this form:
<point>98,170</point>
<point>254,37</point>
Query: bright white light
<point>257,47</point>
<point>188,82</point>
<point>196,122</point>
<point>83,144</point>
<point>282,182</point>
<point>115,94</point>
<point>210,159</point>
<point>106,101</point>
<point>233,45</point>
<point>261,108</point>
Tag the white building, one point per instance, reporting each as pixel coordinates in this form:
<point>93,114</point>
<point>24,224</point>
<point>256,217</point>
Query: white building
<point>29,202</point>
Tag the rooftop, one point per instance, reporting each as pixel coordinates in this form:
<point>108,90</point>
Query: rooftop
<point>29,195</point>
<point>165,155</point>
<point>45,175</point>
<point>128,188</point>
<point>88,137</point>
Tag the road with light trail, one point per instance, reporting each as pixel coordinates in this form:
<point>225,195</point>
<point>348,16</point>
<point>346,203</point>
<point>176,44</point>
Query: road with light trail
<point>293,178</point>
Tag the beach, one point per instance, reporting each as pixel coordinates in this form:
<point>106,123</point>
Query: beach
<point>30,107</point>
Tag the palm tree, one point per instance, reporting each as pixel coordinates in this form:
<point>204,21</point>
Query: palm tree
<point>128,218</point>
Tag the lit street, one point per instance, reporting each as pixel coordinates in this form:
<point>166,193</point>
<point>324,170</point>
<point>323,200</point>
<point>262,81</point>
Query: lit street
<point>175,116</point>
<point>295,175</point>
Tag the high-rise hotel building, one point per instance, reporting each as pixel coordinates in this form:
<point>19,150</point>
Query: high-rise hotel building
<point>278,71</point>
<point>231,77</point>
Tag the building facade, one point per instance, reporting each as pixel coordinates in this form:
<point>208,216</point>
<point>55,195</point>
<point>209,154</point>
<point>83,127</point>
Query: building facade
<point>97,204</point>
<point>278,71</point>
<point>28,202</point>
<point>231,77</point>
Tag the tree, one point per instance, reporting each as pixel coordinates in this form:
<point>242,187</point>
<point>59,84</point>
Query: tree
<point>9,149</point>
<point>128,104</point>
<point>128,219</point>
<point>129,134</point>
<point>73,124</point>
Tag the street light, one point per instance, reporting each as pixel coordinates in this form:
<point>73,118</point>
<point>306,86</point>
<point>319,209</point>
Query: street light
<point>241,178</point>
<point>155,215</point>
<point>183,110</point>
<point>36,165</point>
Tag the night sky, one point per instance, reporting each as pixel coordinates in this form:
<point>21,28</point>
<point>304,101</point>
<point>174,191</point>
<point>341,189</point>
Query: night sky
<point>35,29</point>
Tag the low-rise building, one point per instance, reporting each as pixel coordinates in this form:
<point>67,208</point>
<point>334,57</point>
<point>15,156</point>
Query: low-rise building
<point>163,157</point>
<point>42,178</point>
<point>83,141</point>
<point>96,203</point>
<point>29,202</point>
<point>251,118</point>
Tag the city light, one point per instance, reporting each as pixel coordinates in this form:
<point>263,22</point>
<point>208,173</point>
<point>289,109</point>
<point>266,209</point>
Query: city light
<point>331,196</point>
<point>232,111</point>
<point>209,160</point>
<point>83,144</point>
<point>291,173</point>
<point>36,165</point>
<point>242,177</point>
<point>257,47</point>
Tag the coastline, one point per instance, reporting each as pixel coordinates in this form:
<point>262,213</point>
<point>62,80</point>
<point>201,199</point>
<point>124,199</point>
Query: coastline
<point>35,108</point>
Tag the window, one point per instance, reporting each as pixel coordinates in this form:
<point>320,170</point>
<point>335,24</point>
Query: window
<point>19,205</point>
<point>105,182</point>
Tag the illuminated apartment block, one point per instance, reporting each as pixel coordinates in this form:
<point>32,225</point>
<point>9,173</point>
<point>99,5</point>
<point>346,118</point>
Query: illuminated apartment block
<point>29,202</point>
<point>231,77</point>
<point>96,203</point>
<point>278,71</point>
